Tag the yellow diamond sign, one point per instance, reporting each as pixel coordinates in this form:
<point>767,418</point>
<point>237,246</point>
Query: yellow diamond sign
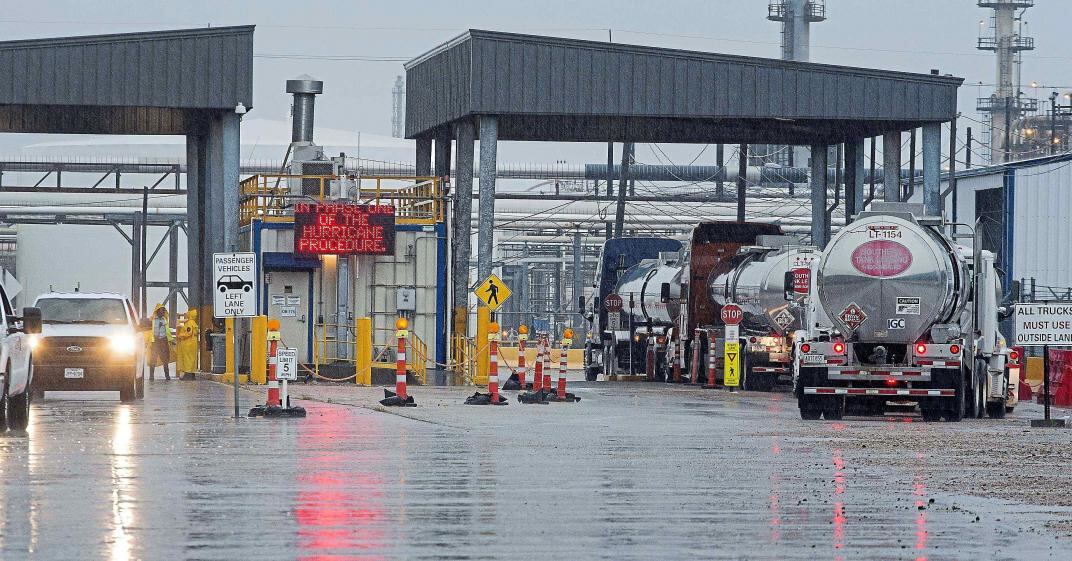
<point>492,291</point>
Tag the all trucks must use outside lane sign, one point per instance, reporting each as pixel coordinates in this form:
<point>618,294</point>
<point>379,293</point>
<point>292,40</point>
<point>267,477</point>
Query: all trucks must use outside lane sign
<point>1043,324</point>
<point>234,285</point>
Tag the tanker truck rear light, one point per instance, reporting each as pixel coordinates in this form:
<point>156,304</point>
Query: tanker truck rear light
<point>839,348</point>
<point>921,349</point>
<point>954,350</point>
<point>752,340</point>
<point>805,348</point>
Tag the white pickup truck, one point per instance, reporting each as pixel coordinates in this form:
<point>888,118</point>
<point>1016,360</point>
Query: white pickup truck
<point>90,342</point>
<point>17,339</point>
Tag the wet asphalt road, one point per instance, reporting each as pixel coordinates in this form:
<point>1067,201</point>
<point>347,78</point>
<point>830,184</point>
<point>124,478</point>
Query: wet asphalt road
<point>631,472</point>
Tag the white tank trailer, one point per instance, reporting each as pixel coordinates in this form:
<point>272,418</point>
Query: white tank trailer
<point>770,282</point>
<point>903,301</point>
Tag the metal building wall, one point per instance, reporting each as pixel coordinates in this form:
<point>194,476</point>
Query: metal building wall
<point>1041,230</point>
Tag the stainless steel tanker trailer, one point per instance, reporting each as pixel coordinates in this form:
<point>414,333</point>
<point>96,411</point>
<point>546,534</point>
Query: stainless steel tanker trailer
<point>913,316</point>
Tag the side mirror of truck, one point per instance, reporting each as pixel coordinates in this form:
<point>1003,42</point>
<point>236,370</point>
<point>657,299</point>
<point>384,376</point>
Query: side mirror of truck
<point>787,286</point>
<point>664,292</point>
<point>31,320</point>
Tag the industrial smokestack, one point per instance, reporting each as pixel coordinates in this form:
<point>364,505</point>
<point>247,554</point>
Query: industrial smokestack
<point>305,89</point>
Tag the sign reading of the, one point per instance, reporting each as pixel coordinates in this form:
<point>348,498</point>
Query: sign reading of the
<point>286,363</point>
<point>234,285</point>
<point>1042,324</point>
<point>492,291</point>
<point>341,228</point>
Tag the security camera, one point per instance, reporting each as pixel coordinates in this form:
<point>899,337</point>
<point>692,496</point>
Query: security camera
<point>240,108</point>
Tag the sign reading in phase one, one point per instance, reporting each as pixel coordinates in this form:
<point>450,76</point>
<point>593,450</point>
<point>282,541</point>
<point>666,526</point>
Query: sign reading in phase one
<point>1042,324</point>
<point>342,228</point>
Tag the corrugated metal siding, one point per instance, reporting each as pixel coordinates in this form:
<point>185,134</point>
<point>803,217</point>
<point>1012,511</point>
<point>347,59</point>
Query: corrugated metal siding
<point>583,78</point>
<point>1042,230</point>
<point>437,91</point>
<point>193,69</point>
<point>506,74</point>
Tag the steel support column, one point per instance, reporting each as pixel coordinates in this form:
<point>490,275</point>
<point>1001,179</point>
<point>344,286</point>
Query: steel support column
<point>819,227</point>
<point>891,166</point>
<point>463,212</point>
<point>742,177</point>
<point>424,157</point>
<point>854,178</point>
<point>932,169</point>
<point>578,278</point>
<point>489,140</point>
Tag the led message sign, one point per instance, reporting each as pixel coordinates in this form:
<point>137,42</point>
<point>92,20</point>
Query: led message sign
<point>344,229</point>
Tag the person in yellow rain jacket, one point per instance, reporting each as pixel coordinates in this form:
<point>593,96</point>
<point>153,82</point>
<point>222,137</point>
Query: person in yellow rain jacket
<point>160,341</point>
<point>186,348</point>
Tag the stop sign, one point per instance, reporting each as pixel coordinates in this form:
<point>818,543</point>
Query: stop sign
<point>732,314</point>
<point>613,303</point>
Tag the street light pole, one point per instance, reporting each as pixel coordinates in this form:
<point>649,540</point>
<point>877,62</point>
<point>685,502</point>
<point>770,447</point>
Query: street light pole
<point>1053,122</point>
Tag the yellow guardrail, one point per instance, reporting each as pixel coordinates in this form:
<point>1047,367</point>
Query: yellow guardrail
<point>417,199</point>
<point>463,358</point>
<point>326,341</point>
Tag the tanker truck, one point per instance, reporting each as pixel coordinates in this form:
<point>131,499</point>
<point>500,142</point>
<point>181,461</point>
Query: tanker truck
<point>769,281</point>
<point>608,342</point>
<point>913,317</point>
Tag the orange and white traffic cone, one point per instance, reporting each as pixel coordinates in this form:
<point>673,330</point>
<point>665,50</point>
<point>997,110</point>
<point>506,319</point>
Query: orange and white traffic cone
<point>537,373</point>
<point>547,364</point>
<point>401,396</point>
<point>678,358</point>
<point>710,360</point>
<point>273,382</point>
<point>522,337</point>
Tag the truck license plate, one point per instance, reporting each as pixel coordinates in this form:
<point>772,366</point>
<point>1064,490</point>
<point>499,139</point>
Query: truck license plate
<point>74,373</point>
<point>813,359</point>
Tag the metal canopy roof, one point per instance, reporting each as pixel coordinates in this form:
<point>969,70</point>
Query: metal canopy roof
<point>553,89</point>
<point>161,82</point>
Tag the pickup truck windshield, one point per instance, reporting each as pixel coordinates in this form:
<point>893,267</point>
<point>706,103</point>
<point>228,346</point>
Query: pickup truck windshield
<point>82,310</point>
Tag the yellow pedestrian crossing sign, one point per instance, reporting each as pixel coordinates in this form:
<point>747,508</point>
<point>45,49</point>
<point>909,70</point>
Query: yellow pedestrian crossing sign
<point>732,367</point>
<point>492,291</point>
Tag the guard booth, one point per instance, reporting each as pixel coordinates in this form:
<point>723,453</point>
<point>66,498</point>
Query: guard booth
<point>332,249</point>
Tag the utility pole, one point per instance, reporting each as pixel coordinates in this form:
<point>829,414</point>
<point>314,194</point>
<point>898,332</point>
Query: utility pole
<point>619,213</point>
<point>578,278</point>
<point>742,173</point>
<point>968,149</point>
<point>720,174</point>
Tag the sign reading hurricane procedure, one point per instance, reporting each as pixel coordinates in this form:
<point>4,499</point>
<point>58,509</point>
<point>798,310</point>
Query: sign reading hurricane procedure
<point>340,228</point>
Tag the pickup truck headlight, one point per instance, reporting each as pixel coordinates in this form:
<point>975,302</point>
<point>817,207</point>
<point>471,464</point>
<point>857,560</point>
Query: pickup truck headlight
<point>123,344</point>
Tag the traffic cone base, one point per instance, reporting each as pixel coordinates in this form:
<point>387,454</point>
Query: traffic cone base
<point>392,399</point>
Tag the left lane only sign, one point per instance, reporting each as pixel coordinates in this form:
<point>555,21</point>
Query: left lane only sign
<point>234,285</point>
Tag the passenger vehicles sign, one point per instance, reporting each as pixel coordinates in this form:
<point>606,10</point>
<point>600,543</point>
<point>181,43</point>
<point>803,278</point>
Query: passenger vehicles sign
<point>234,287</point>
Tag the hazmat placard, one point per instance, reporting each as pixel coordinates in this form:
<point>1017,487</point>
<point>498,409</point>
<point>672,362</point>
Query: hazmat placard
<point>732,366</point>
<point>234,285</point>
<point>1042,324</point>
<point>286,363</point>
<point>492,291</point>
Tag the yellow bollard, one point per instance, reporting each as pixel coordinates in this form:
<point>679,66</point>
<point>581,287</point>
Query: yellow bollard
<point>363,352</point>
<point>229,336</point>
<point>258,369</point>
<point>483,318</point>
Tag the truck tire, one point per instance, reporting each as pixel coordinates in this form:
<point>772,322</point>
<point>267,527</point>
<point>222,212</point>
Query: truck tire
<point>141,384</point>
<point>810,408</point>
<point>834,408</point>
<point>5,406</point>
<point>954,410</point>
<point>18,408</point>
<point>609,360</point>
<point>129,390</point>
<point>996,409</point>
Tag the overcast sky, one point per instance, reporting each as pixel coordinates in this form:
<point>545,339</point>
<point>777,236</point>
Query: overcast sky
<point>911,35</point>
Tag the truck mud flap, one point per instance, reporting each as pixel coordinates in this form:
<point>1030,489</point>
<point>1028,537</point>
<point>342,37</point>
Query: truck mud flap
<point>894,392</point>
